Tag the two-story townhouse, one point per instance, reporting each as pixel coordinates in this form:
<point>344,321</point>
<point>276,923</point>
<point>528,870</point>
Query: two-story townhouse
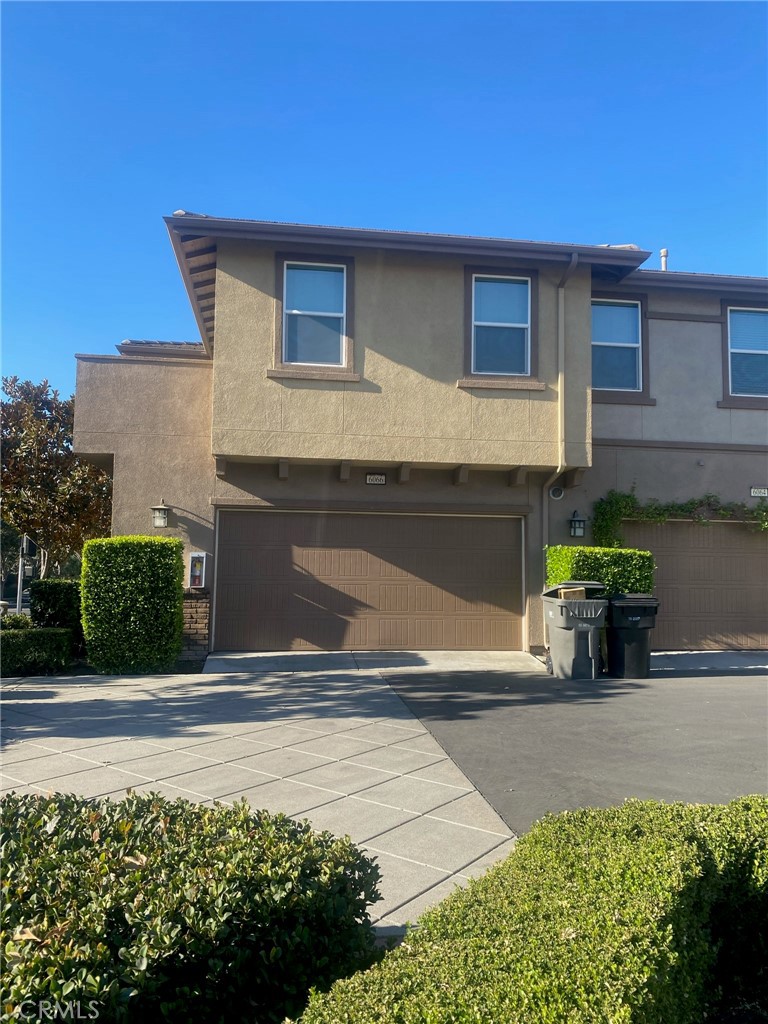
<point>381,431</point>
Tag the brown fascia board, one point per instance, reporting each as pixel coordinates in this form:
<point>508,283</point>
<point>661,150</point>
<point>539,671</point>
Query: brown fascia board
<point>721,283</point>
<point>181,259</point>
<point>367,238</point>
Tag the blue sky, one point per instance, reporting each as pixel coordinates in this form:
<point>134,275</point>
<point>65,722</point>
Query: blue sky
<point>583,122</point>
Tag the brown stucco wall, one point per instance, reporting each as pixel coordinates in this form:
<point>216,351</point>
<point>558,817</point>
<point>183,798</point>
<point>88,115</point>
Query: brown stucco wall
<point>685,364</point>
<point>409,350</point>
<point>153,417</point>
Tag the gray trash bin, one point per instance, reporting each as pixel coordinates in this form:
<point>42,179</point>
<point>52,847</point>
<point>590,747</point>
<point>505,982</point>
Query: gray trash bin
<point>631,617</point>
<point>574,625</point>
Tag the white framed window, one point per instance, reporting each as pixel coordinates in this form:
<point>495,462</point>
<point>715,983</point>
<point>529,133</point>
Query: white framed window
<point>617,363</point>
<point>314,313</point>
<point>501,325</point>
<point>748,352</point>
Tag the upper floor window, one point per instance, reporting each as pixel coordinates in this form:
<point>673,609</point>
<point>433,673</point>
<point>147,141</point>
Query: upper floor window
<point>314,314</point>
<point>501,325</point>
<point>616,346</point>
<point>748,352</point>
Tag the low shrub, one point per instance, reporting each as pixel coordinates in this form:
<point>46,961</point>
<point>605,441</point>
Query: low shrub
<point>35,652</point>
<point>648,912</point>
<point>620,570</point>
<point>163,910</point>
<point>55,603</point>
<point>15,620</point>
<point>132,600</point>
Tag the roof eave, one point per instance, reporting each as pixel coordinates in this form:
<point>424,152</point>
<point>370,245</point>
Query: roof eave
<point>269,231</point>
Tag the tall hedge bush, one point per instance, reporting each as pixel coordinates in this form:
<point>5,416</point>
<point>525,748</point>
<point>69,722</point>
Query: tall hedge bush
<point>620,570</point>
<point>649,913</point>
<point>150,910</point>
<point>55,604</point>
<point>132,601</point>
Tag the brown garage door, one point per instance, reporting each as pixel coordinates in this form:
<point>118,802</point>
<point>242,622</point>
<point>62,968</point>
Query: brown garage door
<point>311,581</point>
<point>712,584</point>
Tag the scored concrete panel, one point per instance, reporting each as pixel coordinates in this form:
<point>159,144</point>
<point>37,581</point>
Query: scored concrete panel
<point>395,759</point>
<point>345,777</point>
<point>446,773</point>
<point>439,844</point>
<point>52,766</point>
<point>24,752</point>
<point>218,780</point>
<point>386,734</point>
<point>359,820</point>
<point>474,812</point>
<point>119,751</point>
<point>284,796</point>
<point>283,762</point>
<point>395,921</point>
<point>339,746</point>
<point>402,881</point>
<point>97,782</point>
<point>410,794</point>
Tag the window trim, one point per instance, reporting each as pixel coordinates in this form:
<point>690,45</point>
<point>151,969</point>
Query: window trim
<point>625,396</point>
<point>343,371</point>
<point>731,401</point>
<point>513,381</point>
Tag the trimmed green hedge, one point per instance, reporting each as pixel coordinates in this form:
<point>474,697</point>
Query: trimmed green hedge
<point>132,599</point>
<point>620,570</point>
<point>15,620</point>
<point>648,912</point>
<point>166,911</point>
<point>35,652</point>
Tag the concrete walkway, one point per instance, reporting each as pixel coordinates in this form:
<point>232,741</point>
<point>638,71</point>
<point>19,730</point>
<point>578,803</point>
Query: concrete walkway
<point>317,736</point>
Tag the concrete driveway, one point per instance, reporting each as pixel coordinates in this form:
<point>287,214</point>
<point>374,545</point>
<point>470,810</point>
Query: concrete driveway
<point>321,737</point>
<point>404,752</point>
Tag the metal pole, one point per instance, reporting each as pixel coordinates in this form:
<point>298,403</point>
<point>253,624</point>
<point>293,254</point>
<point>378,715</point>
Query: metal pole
<point>20,579</point>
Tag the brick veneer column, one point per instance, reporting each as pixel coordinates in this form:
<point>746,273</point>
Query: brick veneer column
<point>197,607</point>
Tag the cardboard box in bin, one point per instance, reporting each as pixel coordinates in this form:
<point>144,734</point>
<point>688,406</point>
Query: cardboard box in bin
<point>572,594</point>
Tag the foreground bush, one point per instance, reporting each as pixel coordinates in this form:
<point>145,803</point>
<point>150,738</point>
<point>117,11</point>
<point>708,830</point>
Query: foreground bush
<point>167,911</point>
<point>133,599</point>
<point>647,913</point>
<point>15,620</point>
<point>55,603</point>
<point>620,570</point>
<point>35,652</point>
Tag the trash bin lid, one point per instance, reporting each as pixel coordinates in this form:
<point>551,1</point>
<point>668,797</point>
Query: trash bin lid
<point>635,601</point>
<point>587,584</point>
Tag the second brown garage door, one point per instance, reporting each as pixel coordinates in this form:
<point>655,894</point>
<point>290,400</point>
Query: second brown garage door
<point>711,584</point>
<point>324,581</point>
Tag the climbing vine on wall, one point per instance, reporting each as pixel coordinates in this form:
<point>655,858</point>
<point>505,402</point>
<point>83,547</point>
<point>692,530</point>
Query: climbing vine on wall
<point>608,513</point>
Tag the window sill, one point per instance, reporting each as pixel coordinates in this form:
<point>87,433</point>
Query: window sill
<point>502,383</point>
<point>313,373</point>
<point>621,398</point>
<point>743,402</point>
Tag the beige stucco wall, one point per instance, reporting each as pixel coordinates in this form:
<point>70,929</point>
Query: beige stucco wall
<point>153,417</point>
<point>409,350</point>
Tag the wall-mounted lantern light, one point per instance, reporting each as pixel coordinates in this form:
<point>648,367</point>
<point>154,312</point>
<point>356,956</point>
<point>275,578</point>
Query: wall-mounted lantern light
<point>578,525</point>
<point>160,515</point>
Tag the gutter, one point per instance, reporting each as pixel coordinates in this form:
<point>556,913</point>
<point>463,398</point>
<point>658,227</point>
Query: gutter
<point>561,456</point>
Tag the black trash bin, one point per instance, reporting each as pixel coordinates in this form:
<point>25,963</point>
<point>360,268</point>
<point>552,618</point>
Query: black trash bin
<point>631,617</point>
<point>574,626</point>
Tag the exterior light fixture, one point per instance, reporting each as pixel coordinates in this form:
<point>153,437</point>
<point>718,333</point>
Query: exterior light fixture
<point>160,515</point>
<point>578,524</point>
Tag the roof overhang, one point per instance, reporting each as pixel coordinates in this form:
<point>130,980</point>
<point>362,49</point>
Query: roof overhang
<point>195,240</point>
<point>724,284</point>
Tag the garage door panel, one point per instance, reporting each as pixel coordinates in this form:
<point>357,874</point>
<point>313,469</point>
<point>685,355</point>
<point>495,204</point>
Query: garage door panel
<point>346,582</point>
<point>712,584</point>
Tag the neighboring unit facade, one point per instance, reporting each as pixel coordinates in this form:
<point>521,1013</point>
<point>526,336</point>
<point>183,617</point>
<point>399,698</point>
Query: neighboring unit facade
<point>381,431</point>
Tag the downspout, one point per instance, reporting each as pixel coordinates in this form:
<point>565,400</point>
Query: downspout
<point>561,460</point>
